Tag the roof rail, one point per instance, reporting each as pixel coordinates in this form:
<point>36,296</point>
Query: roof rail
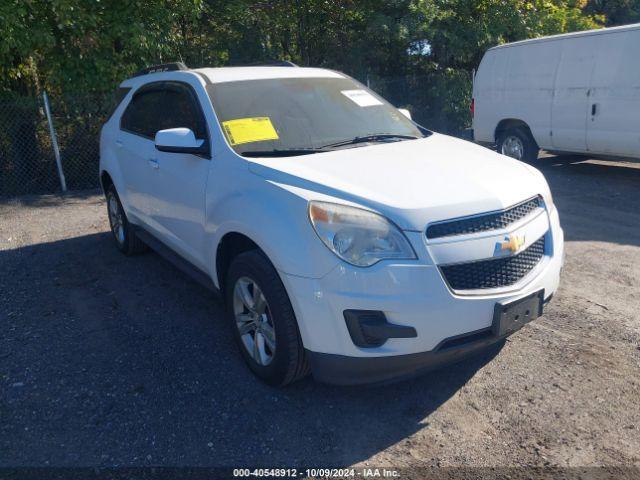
<point>282,63</point>
<point>164,67</point>
<point>272,63</point>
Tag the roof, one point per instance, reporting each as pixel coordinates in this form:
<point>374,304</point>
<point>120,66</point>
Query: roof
<point>234,74</point>
<point>585,33</point>
<point>231,74</point>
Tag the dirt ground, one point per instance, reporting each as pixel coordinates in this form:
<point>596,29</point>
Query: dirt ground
<point>113,361</point>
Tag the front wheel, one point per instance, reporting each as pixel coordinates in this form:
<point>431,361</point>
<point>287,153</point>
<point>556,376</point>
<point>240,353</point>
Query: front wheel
<point>263,320</point>
<point>519,144</point>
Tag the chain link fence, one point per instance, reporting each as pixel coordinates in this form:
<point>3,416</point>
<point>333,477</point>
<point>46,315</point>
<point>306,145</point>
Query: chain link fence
<point>29,161</point>
<point>77,121</point>
<point>439,101</point>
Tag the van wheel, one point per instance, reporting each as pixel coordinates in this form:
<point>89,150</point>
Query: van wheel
<point>126,239</point>
<point>263,320</point>
<point>519,144</point>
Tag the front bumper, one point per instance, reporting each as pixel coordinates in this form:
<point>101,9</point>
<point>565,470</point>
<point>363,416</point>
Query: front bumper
<point>345,370</point>
<point>413,294</point>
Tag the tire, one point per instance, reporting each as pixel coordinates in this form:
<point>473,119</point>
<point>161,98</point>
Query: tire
<point>123,234</point>
<point>270,343</point>
<point>519,144</point>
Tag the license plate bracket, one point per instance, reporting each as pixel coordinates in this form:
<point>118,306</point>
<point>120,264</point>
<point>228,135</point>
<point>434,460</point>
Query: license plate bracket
<point>511,316</point>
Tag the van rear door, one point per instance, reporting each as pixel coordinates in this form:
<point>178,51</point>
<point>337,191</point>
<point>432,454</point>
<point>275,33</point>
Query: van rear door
<point>613,125</point>
<point>570,97</point>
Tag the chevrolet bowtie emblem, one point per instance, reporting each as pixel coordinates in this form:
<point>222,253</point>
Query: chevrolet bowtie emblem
<point>512,243</point>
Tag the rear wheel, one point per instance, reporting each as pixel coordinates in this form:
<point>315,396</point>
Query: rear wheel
<point>126,239</point>
<point>519,144</point>
<point>263,320</point>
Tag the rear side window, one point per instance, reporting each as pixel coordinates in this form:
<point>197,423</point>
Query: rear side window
<point>144,114</point>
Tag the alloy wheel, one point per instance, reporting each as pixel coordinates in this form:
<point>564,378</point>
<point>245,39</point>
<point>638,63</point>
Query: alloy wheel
<point>115,219</point>
<point>253,321</point>
<point>513,147</point>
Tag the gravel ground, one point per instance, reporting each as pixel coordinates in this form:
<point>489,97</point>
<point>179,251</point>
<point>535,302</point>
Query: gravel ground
<point>113,361</point>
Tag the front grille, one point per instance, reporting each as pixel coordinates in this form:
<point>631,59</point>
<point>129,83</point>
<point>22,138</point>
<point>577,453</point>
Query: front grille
<point>496,272</point>
<point>482,223</point>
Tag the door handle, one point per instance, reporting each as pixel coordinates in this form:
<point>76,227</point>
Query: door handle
<point>118,143</point>
<point>154,163</point>
<point>594,108</point>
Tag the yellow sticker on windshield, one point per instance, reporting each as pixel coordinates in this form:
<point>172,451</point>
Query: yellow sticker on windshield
<point>246,130</point>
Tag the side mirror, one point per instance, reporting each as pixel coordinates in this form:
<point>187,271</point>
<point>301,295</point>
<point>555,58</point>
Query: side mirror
<point>405,112</point>
<point>179,140</point>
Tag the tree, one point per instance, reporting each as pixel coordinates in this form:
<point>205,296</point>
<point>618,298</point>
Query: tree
<point>465,29</point>
<point>616,12</point>
<point>80,46</point>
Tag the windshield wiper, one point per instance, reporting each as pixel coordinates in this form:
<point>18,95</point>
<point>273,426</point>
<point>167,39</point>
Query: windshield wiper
<point>292,152</point>
<point>375,137</point>
<point>289,152</point>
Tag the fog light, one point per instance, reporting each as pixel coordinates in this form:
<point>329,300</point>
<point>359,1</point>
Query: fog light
<point>369,328</point>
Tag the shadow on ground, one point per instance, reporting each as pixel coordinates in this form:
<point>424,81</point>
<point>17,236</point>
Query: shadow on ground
<point>52,200</point>
<point>109,360</point>
<point>597,200</point>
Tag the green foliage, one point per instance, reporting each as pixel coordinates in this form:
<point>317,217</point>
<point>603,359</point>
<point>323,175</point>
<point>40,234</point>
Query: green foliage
<point>465,29</point>
<point>90,45</point>
<point>615,12</point>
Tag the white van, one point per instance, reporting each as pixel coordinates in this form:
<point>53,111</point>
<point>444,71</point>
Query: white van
<point>577,93</point>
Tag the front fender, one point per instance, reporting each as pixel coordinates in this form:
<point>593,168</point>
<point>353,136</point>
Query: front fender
<point>274,218</point>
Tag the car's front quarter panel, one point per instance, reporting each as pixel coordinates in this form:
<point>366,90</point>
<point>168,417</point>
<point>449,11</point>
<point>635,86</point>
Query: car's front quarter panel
<point>272,216</point>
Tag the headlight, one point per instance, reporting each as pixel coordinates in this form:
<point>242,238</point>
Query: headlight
<point>358,236</point>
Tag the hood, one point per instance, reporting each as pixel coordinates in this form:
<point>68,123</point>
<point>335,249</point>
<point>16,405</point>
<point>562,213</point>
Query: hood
<point>413,182</point>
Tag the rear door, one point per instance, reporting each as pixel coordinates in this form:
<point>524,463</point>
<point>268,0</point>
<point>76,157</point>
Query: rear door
<point>570,96</point>
<point>135,148</point>
<point>613,126</point>
<point>180,180</point>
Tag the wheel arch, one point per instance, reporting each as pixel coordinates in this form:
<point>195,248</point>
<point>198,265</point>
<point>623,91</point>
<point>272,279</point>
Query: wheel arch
<point>237,240</point>
<point>105,181</point>
<point>232,244</point>
<point>508,123</point>
<point>110,174</point>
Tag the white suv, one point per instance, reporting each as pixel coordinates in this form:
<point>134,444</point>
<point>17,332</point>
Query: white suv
<point>345,239</point>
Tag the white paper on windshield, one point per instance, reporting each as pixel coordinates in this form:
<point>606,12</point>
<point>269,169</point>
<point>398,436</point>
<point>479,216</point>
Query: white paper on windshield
<point>361,98</point>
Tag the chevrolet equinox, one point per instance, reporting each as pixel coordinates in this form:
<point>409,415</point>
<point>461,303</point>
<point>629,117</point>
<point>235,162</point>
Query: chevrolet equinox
<point>345,239</point>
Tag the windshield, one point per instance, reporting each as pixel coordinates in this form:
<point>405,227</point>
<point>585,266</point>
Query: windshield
<point>296,116</point>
